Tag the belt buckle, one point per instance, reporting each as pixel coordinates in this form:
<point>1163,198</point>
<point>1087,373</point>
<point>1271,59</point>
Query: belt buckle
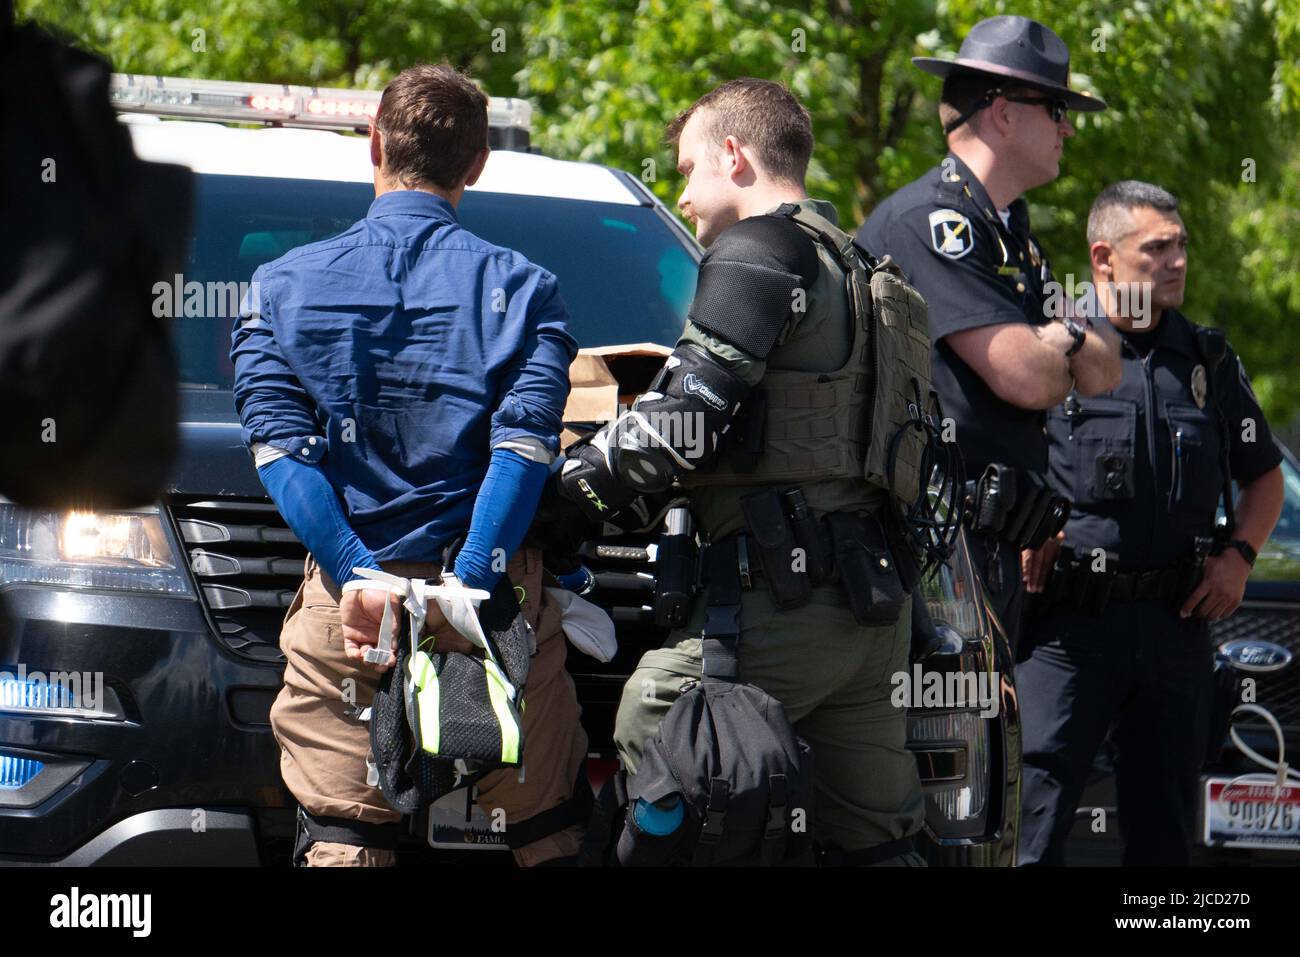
<point>742,563</point>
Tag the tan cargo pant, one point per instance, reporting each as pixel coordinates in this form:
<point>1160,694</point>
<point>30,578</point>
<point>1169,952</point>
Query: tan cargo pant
<point>833,677</point>
<point>323,747</point>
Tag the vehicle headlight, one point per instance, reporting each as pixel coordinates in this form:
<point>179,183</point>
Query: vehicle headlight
<point>128,550</point>
<point>951,593</point>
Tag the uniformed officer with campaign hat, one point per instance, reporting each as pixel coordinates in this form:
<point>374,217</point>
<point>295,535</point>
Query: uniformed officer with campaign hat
<point>1120,633</point>
<point>961,233</point>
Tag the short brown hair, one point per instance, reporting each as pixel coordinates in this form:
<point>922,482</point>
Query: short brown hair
<point>761,114</point>
<point>434,123</point>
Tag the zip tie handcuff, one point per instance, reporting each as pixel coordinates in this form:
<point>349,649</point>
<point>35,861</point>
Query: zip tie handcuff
<point>456,601</point>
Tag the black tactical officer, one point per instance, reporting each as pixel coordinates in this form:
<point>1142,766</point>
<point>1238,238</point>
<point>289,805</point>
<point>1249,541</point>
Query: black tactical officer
<point>963,239</point>
<point>1121,632</point>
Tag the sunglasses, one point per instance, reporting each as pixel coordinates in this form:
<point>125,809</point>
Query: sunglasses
<point>1056,108</point>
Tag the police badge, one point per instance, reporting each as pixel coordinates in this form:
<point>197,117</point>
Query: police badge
<point>1199,386</point>
<point>951,233</point>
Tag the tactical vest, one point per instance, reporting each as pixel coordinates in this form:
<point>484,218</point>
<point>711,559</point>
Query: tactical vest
<point>803,426</point>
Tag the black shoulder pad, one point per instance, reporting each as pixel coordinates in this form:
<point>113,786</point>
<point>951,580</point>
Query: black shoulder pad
<point>748,278</point>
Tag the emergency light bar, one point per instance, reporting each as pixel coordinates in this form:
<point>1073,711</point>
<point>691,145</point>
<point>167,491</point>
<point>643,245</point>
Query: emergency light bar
<point>509,119</point>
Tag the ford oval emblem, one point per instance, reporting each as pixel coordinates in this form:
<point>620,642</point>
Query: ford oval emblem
<point>1250,654</point>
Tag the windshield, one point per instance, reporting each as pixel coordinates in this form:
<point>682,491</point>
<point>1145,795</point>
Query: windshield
<point>625,274</point>
<point>1287,531</point>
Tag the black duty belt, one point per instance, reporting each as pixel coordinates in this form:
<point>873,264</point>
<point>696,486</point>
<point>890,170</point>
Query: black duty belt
<point>793,557</point>
<point>749,567</point>
<point>1074,586</point>
<point>1161,584</point>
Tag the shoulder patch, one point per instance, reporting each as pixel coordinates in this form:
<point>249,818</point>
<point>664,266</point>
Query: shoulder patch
<point>951,233</point>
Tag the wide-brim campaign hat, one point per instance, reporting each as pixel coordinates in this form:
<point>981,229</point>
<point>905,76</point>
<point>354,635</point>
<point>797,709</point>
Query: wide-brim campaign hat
<point>1020,49</point>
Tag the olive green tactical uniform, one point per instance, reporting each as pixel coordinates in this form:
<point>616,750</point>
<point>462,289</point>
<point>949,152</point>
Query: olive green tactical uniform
<point>832,675</point>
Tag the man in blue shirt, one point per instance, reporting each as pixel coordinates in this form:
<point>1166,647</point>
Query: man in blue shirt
<point>402,386</point>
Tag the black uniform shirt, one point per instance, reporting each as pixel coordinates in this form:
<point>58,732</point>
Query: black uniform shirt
<point>973,271</point>
<point>1143,464</point>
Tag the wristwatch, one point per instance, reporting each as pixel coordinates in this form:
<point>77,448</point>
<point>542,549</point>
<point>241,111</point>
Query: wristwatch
<point>1247,552</point>
<point>1078,332</point>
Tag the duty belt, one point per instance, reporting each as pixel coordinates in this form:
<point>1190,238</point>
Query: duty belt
<point>820,558</point>
<point>1074,586</point>
<point>749,569</point>
<point>791,557</point>
<point>1160,584</point>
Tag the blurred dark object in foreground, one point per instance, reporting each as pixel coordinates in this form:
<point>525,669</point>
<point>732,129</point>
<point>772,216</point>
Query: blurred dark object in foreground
<point>87,376</point>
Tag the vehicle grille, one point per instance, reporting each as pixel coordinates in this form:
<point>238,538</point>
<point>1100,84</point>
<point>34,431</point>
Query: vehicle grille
<point>1278,691</point>
<point>247,564</point>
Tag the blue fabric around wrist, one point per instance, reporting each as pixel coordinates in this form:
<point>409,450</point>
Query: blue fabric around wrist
<point>308,502</point>
<point>503,510</point>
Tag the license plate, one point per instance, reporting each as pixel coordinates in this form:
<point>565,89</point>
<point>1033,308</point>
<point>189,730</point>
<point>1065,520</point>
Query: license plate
<point>1250,815</point>
<point>456,823</point>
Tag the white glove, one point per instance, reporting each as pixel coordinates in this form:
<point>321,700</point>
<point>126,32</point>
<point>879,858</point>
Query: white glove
<point>586,626</point>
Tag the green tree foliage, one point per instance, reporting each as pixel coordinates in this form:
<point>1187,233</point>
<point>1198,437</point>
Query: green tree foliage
<point>1204,98</point>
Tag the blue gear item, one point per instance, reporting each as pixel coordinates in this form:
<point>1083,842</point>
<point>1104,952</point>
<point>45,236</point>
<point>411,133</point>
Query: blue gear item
<point>676,425</point>
<point>656,820</point>
<point>503,510</point>
<point>580,581</point>
<point>314,513</point>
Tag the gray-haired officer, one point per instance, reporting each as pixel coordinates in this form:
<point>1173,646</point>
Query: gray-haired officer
<point>1141,572</point>
<point>961,234</point>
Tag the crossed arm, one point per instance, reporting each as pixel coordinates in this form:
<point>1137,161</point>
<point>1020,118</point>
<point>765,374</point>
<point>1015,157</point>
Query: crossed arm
<point>1027,366</point>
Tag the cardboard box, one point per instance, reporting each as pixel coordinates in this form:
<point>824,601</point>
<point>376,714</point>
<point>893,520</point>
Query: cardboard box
<point>594,394</point>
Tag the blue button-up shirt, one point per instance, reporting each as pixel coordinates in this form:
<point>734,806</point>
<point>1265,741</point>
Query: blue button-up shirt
<point>397,355</point>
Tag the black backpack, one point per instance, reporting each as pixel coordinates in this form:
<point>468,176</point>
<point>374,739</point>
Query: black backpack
<point>727,748</point>
<point>744,776</point>
<point>409,776</point>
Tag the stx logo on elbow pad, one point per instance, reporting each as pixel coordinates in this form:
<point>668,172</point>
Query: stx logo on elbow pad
<point>590,492</point>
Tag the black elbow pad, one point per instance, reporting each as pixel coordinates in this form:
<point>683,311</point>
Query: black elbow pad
<point>678,424</point>
<point>587,480</point>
